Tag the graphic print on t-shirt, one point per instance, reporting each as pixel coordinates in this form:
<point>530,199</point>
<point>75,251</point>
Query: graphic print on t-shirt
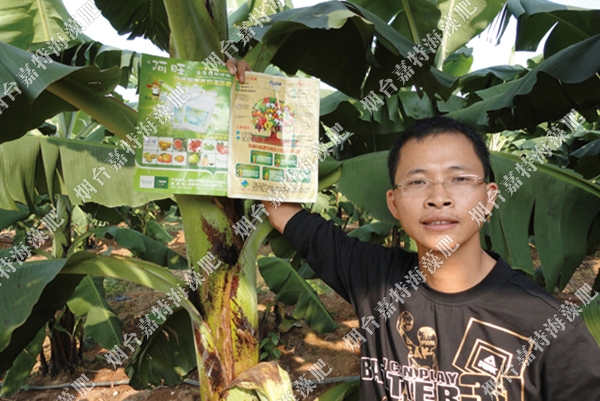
<point>421,355</point>
<point>477,360</point>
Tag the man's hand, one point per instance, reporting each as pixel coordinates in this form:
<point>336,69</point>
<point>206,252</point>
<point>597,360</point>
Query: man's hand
<point>278,217</point>
<point>238,68</point>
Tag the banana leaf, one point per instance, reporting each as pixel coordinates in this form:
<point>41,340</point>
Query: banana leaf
<point>292,289</point>
<point>34,165</point>
<point>567,24</point>
<point>59,88</point>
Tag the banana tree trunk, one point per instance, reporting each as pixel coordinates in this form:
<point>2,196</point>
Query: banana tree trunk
<point>63,347</point>
<point>227,299</point>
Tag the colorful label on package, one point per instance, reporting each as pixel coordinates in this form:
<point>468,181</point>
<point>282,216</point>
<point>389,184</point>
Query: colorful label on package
<point>273,131</point>
<point>184,110</point>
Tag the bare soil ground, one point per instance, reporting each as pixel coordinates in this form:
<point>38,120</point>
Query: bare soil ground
<point>301,346</point>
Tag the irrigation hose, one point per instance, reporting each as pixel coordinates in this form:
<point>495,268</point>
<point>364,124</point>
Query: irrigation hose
<point>331,380</point>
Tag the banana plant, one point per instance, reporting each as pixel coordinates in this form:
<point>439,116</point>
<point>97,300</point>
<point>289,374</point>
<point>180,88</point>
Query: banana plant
<point>225,331</point>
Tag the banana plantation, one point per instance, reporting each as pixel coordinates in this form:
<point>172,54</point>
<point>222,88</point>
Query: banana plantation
<point>61,119</point>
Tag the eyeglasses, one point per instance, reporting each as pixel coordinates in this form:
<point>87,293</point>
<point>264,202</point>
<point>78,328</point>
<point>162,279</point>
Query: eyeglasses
<point>454,184</point>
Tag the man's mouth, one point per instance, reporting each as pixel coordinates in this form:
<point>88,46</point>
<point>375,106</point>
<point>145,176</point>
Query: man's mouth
<point>439,222</point>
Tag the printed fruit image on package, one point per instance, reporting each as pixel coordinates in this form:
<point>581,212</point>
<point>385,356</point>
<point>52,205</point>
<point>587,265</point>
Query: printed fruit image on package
<point>184,110</point>
<point>270,115</point>
<point>273,132</point>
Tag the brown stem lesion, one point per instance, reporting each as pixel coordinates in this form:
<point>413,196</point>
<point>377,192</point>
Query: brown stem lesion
<point>232,209</point>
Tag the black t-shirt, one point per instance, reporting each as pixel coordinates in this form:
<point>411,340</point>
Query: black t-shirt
<point>438,346</point>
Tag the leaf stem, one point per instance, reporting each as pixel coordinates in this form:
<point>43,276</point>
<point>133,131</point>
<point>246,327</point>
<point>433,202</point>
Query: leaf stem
<point>411,22</point>
<point>42,11</point>
<point>43,253</point>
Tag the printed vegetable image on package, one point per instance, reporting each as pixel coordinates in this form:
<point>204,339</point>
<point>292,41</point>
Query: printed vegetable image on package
<point>273,135</point>
<point>184,117</point>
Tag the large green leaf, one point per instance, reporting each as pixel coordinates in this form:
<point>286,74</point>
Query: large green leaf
<point>138,18</point>
<point>329,24</point>
<point>591,315</point>
<point>25,22</point>
<point>292,289</point>
<point>368,136</point>
<point>34,276</point>
<point>28,299</point>
<point>372,169</point>
<point>144,247</point>
<point>18,374</point>
<point>134,270</point>
<point>589,149</point>
<point>488,77</point>
<point>509,226</point>
<point>345,34</point>
<point>459,63</point>
<point>101,323</point>
<point>60,88</point>
<point>561,204</point>
<point>564,81</point>
<point>210,367</point>
<point>25,317</point>
<point>156,230</point>
<point>10,217</point>
<point>486,11</point>
<point>561,223</point>
<point>391,48</point>
<point>415,19</point>
<point>167,357</point>
<point>40,165</point>
<point>568,24</point>
<point>104,57</point>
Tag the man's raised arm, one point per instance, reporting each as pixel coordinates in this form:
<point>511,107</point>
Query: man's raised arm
<point>279,216</point>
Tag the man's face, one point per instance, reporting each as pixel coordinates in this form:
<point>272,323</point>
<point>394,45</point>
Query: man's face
<point>427,218</point>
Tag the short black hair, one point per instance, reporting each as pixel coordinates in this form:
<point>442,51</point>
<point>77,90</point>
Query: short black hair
<point>435,126</point>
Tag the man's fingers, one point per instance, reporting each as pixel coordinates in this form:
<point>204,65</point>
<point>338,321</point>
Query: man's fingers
<point>231,65</point>
<point>238,69</point>
<point>242,67</point>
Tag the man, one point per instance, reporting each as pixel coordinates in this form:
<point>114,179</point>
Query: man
<point>483,330</point>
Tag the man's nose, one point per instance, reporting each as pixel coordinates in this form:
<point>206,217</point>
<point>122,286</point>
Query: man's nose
<point>438,195</point>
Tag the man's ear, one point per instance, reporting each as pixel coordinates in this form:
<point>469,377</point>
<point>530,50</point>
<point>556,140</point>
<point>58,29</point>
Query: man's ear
<point>492,195</point>
<point>390,197</point>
